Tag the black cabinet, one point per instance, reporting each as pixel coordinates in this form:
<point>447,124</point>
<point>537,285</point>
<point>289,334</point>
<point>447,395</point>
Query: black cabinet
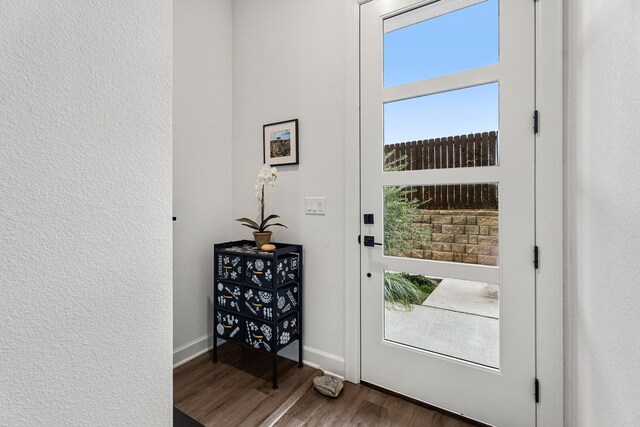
<point>258,297</point>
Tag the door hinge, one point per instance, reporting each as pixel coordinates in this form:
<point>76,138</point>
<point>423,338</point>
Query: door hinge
<point>536,121</point>
<point>536,390</point>
<point>536,254</point>
<point>359,239</point>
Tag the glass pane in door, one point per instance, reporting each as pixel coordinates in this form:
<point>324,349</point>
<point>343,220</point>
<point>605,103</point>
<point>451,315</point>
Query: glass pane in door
<point>451,317</point>
<point>455,223</point>
<point>446,130</point>
<point>461,40</point>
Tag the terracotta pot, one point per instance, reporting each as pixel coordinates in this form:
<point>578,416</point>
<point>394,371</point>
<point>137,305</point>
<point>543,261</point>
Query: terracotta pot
<point>262,238</point>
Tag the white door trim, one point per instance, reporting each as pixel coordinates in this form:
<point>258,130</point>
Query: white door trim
<point>352,190</point>
<point>448,82</point>
<point>549,213</point>
<point>406,19</point>
<point>549,207</point>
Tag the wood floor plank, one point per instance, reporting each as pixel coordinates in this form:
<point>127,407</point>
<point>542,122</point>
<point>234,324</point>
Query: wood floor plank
<point>285,406</point>
<point>311,410</point>
<point>369,414</point>
<point>237,391</point>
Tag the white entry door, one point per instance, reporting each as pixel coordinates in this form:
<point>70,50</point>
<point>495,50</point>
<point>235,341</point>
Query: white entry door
<point>447,188</point>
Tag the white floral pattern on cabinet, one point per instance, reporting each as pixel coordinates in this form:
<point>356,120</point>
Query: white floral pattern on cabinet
<point>230,267</point>
<point>259,303</point>
<point>260,335</point>
<point>259,272</point>
<point>228,325</point>
<point>229,296</point>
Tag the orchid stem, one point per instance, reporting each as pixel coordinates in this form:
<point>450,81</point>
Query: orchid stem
<point>262,208</point>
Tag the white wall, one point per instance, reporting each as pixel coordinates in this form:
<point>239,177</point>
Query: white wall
<point>85,229</point>
<point>201,163</point>
<point>289,62</point>
<point>602,42</point>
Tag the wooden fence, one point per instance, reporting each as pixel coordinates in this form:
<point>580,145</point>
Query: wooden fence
<point>462,151</point>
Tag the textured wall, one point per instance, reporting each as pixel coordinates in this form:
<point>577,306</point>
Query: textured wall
<point>602,41</point>
<point>201,162</point>
<point>85,229</point>
<point>289,62</point>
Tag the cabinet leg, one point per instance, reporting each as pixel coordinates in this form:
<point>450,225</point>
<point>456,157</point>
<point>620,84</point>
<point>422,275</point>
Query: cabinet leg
<point>300,353</point>
<point>214,353</point>
<point>274,378</point>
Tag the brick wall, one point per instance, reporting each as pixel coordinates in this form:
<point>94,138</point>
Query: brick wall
<point>469,236</point>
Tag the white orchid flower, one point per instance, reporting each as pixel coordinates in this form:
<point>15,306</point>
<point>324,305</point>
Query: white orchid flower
<point>266,175</point>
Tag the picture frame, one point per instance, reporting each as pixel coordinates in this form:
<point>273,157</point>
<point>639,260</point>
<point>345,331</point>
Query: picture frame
<point>280,143</point>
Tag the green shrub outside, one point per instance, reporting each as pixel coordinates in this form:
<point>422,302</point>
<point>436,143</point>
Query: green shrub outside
<point>402,290</point>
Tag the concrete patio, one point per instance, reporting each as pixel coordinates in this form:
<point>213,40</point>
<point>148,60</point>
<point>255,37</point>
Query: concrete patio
<point>459,319</point>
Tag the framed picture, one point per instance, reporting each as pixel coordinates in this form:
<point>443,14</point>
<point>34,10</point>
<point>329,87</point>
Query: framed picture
<point>280,143</point>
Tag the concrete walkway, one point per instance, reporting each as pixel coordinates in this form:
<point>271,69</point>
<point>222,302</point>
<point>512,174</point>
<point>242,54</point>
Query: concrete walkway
<point>466,297</point>
<point>459,319</point>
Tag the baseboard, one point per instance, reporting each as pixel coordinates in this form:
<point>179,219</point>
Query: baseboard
<point>193,349</point>
<point>327,362</point>
<point>330,363</point>
<point>318,359</point>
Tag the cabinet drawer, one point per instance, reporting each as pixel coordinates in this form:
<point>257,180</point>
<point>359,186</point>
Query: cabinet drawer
<point>259,303</point>
<point>230,267</point>
<point>229,325</point>
<point>287,299</point>
<point>261,336</point>
<point>228,296</point>
<point>259,271</point>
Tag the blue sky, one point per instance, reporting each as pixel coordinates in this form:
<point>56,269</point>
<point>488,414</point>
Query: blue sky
<point>462,40</point>
<point>282,134</point>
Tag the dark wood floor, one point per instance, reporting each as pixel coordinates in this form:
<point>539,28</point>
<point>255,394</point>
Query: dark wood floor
<point>237,391</point>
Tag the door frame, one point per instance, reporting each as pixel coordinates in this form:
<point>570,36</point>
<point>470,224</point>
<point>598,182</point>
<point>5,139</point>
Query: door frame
<point>548,211</point>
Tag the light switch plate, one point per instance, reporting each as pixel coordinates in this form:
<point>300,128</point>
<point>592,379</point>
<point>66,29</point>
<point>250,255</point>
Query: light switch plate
<point>315,206</point>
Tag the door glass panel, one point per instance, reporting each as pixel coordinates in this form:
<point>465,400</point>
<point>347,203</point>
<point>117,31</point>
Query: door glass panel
<point>455,223</point>
<point>452,317</point>
<point>446,130</point>
<point>457,41</point>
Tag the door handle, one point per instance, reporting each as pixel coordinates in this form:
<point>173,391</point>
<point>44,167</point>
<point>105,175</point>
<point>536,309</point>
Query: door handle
<point>371,241</point>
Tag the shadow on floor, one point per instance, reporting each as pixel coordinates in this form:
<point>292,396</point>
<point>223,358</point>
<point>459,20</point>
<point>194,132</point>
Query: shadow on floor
<point>180,419</point>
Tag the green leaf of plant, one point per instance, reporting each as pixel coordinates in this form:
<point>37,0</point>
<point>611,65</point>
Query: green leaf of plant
<point>250,223</point>
<point>251,227</point>
<point>266,220</point>
<point>275,223</point>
